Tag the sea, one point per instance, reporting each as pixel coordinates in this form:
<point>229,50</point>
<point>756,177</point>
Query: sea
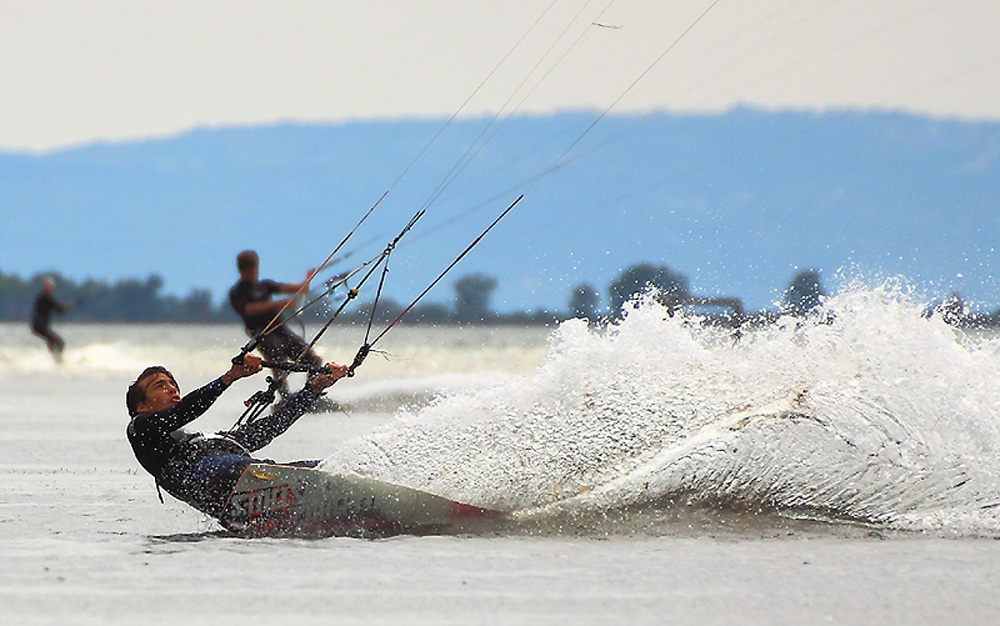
<point>842,467</point>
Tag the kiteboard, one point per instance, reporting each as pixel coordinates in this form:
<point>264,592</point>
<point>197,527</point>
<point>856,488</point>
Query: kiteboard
<point>285,501</point>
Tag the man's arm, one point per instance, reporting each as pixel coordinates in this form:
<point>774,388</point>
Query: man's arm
<point>295,287</point>
<point>253,309</point>
<point>194,404</point>
<point>248,367</point>
<point>262,307</point>
<point>260,433</point>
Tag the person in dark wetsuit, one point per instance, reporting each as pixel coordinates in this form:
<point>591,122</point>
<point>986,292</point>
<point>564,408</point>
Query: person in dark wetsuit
<point>199,469</point>
<point>251,299</point>
<point>41,317</point>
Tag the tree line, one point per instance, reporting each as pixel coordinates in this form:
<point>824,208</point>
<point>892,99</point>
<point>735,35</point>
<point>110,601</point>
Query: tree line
<point>141,300</point>
<point>129,300</point>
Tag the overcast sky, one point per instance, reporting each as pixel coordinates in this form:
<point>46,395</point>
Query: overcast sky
<point>76,72</point>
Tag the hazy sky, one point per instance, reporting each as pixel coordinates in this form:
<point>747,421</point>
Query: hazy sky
<point>74,72</point>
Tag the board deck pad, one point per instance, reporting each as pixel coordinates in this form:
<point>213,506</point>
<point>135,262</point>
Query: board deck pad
<point>285,501</point>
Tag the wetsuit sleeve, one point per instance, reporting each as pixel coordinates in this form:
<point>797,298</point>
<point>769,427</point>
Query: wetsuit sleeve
<point>191,407</point>
<point>261,432</point>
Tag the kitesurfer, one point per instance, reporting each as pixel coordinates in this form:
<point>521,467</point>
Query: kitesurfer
<point>41,317</point>
<point>199,469</point>
<point>250,297</point>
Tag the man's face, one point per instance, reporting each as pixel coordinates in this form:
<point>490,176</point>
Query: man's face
<point>161,393</point>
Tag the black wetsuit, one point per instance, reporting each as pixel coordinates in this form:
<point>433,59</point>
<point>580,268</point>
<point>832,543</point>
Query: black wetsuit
<point>41,317</point>
<point>202,469</point>
<point>280,343</point>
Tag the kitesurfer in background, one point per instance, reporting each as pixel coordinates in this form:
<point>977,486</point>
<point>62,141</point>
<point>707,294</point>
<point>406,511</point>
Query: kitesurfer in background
<point>198,469</point>
<point>250,297</point>
<point>41,317</point>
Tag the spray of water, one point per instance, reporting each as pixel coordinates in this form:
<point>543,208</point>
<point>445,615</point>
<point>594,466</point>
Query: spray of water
<point>866,411</point>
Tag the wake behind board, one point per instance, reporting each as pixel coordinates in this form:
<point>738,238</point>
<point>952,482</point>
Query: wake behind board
<point>285,501</point>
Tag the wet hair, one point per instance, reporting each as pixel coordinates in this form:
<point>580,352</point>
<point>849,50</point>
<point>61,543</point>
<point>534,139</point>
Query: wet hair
<point>136,394</point>
<point>247,260</point>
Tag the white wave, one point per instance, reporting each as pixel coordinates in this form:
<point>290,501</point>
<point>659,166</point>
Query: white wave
<point>433,357</point>
<point>880,415</point>
<point>389,395</point>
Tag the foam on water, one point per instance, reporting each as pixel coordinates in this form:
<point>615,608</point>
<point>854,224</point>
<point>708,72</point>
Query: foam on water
<point>866,412</point>
<point>410,361</point>
<point>123,349</point>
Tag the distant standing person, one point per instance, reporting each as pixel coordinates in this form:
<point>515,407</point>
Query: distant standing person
<point>41,317</point>
<point>251,299</point>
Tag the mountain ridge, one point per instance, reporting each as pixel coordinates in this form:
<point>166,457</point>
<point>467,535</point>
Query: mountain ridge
<point>737,201</point>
